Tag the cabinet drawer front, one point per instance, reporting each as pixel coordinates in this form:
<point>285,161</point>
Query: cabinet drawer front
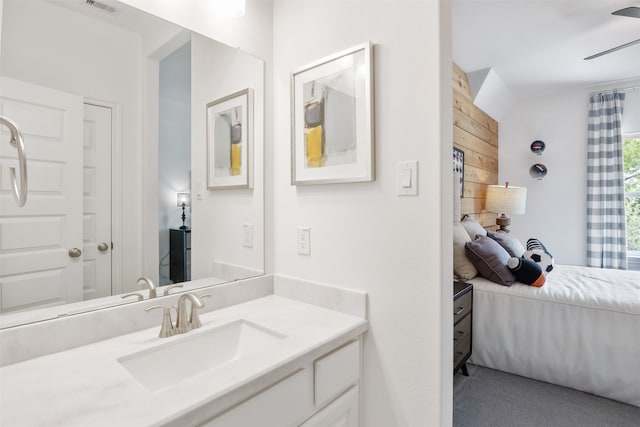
<point>336,372</point>
<point>343,412</point>
<point>461,349</point>
<point>283,404</point>
<point>462,306</point>
<point>462,329</point>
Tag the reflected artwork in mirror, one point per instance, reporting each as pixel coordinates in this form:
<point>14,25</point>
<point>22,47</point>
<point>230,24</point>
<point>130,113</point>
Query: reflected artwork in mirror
<point>230,141</point>
<point>110,104</point>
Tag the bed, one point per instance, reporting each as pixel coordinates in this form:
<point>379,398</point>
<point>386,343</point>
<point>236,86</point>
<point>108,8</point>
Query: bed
<point>580,330</point>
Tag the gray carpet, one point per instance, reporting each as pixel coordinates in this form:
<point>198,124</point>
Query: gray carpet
<point>497,399</point>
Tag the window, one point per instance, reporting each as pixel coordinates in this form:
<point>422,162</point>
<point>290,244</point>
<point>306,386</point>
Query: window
<point>631,153</point>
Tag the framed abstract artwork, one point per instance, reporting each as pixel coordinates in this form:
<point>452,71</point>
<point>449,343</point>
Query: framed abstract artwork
<point>458,168</point>
<point>230,141</point>
<point>332,103</point>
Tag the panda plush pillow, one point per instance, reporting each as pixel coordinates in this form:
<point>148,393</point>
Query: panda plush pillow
<point>539,254</point>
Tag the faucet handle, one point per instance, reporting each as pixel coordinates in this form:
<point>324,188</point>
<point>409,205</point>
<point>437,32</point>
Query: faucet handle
<point>194,318</point>
<point>166,329</point>
<point>203,296</point>
<point>138,295</point>
<point>168,289</point>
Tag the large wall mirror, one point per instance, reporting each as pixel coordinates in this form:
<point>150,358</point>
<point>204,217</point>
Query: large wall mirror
<point>112,103</point>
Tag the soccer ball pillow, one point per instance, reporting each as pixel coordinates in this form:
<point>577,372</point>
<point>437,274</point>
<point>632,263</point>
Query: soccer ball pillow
<point>539,254</point>
<point>526,271</point>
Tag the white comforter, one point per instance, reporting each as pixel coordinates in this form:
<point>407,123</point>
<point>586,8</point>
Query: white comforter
<point>580,330</point>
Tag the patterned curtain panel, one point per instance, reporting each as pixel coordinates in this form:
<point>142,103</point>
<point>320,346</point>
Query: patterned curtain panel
<point>606,240</point>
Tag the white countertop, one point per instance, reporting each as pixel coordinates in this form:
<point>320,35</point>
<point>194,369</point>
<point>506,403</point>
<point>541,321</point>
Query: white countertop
<point>88,386</point>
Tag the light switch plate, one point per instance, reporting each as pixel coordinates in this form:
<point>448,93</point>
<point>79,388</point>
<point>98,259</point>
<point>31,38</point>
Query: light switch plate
<point>304,240</point>
<point>247,235</point>
<point>199,191</point>
<point>407,178</point>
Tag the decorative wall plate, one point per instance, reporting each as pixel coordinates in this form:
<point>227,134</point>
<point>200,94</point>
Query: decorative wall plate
<point>538,147</point>
<point>538,171</point>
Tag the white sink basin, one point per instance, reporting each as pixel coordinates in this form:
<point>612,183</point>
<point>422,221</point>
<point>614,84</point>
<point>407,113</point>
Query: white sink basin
<point>183,356</point>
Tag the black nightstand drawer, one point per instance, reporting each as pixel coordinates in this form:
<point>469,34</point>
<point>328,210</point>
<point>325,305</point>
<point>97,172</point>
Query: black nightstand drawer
<point>462,306</point>
<point>462,330</point>
<point>461,349</point>
<point>462,325</point>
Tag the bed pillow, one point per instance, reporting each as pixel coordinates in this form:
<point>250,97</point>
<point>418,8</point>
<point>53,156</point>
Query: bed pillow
<point>539,254</point>
<point>473,227</point>
<point>526,271</point>
<point>462,268</point>
<point>509,242</point>
<point>490,259</point>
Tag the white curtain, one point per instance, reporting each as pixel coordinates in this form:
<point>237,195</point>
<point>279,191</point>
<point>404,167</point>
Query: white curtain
<point>606,235</point>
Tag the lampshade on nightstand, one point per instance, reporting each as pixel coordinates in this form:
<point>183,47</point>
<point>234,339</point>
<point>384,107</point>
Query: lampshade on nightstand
<point>506,200</point>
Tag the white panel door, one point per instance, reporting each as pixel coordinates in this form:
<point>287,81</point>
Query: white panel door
<point>96,181</point>
<point>36,269</point>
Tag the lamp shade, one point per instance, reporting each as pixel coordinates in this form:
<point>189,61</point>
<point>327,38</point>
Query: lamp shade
<point>183,198</point>
<point>506,199</point>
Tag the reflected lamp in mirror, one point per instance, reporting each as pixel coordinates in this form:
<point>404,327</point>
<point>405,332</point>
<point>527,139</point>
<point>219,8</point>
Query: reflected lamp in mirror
<point>506,200</point>
<point>183,202</point>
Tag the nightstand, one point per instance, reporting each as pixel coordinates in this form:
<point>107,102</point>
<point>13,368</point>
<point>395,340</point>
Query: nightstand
<point>180,255</point>
<point>462,325</point>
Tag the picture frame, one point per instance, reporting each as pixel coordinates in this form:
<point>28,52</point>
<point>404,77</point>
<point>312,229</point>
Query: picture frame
<point>458,168</point>
<point>230,141</point>
<point>332,115</point>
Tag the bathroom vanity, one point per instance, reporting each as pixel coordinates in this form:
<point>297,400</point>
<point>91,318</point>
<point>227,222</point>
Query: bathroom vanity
<point>272,360</point>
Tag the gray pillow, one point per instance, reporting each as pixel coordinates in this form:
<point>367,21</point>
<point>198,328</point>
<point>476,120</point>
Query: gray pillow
<point>491,260</point>
<point>462,268</point>
<point>509,242</point>
<point>473,227</point>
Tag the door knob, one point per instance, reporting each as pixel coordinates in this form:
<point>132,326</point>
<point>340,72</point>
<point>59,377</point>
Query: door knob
<point>103,247</point>
<point>75,252</point>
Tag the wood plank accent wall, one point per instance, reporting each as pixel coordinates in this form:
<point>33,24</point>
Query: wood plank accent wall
<point>475,133</point>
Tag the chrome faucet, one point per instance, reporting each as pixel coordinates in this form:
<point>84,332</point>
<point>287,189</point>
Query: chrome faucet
<point>183,323</point>
<point>149,284</point>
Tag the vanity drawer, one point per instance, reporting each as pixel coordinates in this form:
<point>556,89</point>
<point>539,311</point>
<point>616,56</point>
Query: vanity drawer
<point>336,372</point>
<point>462,306</point>
<point>286,403</point>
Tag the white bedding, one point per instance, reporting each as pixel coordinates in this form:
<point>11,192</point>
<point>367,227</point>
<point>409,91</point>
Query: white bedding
<point>580,330</point>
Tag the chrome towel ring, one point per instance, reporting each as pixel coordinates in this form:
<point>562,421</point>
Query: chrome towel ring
<point>19,190</point>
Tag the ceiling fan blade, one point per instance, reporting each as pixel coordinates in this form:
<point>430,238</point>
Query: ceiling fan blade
<point>631,12</point>
<point>613,49</point>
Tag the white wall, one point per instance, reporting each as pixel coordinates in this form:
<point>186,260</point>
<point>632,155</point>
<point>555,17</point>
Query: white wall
<point>251,32</point>
<point>77,55</point>
<point>218,70</point>
<point>174,151</point>
<point>557,204</point>
<point>363,235</point>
